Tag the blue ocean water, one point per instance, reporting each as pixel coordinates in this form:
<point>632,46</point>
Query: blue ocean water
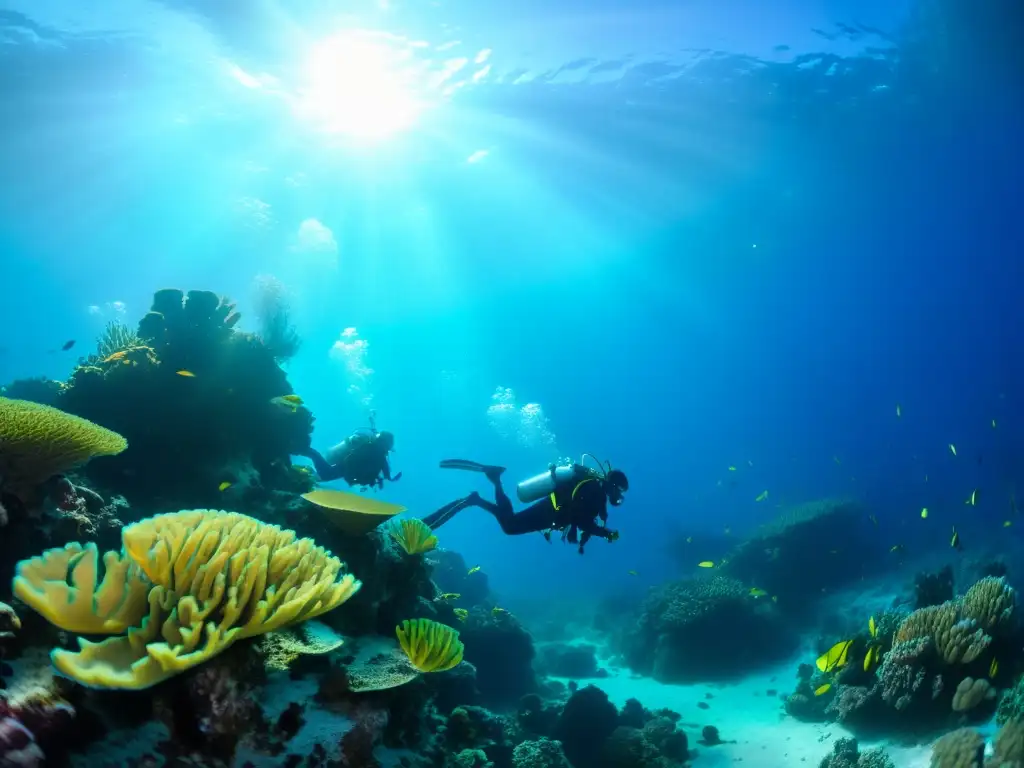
<point>681,236</point>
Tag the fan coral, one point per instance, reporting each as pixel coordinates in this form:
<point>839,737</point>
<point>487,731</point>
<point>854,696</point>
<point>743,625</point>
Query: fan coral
<point>209,578</point>
<point>38,442</point>
<point>430,646</point>
<point>414,536</point>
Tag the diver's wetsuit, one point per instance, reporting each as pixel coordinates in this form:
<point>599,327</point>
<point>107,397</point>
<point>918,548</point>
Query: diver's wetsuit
<point>577,513</point>
<point>364,464</point>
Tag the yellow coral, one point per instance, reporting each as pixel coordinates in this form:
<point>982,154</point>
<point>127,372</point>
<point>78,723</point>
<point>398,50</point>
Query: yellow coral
<point>414,536</point>
<point>430,645</point>
<point>38,442</point>
<point>212,578</point>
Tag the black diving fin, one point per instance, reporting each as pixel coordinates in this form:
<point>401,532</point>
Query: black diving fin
<point>472,466</point>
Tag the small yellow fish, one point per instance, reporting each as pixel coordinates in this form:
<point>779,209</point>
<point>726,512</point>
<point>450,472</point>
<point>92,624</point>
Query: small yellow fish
<point>870,658</point>
<point>822,689</point>
<point>706,564</point>
<point>473,570</point>
<point>924,513</point>
<point>952,449</point>
<point>762,496</point>
<point>632,573</point>
<point>496,611</point>
<point>732,469</point>
<point>899,410</point>
<point>284,403</point>
<point>224,486</point>
<point>293,399</point>
<point>993,668</point>
<point>954,542</point>
<point>993,423</point>
<point>834,657</point>
<point>755,592</point>
<point>872,627</point>
<point>461,614</point>
<point>186,374</point>
<point>447,597</point>
<point>896,548</point>
<point>972,500</point>
<point>1007,523</point>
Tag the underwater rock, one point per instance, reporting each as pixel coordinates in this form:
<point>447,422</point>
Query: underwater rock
<point>502,651</point>
<point>699,629</point>
<point>450,572</point>
<point>537,717</point>
<point>796,557</point>
<point>570,660</point>
<point>587,720</point>
<point>846,754</point>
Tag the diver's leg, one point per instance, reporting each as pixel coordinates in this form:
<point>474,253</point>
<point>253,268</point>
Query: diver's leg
<point>535,518</point>
<point>448,511</point>
<point>471,466</point>
<point>326,471</point>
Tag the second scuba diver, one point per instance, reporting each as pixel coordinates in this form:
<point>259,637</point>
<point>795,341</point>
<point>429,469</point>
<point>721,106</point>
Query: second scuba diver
<point>360,459</point>
<point>569,498</point>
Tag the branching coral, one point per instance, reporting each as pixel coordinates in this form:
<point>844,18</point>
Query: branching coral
<point>186,586</point>
<point>38,442</point>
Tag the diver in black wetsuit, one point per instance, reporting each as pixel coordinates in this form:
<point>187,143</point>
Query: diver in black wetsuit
<point>580,497</point>
<point>360,459</point>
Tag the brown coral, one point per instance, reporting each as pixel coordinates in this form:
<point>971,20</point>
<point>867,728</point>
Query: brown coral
<point>960,749</point>
<point>1008,749</point>
<point>990,602</point>
<point>971,692</point>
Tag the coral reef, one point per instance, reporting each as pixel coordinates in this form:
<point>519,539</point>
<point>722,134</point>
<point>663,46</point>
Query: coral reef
<point>202,396</point>
<point>698,629</point>
<point>942,667</point>
<point>810,550</point>
<point>846,754</point>
<point>502,651</point>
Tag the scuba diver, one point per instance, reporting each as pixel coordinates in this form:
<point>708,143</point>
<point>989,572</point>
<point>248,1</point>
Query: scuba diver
<point>360,459</point>
<point>570,499</point>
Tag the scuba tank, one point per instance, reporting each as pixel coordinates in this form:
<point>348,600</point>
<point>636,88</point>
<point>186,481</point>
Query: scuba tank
<point>537,487</point>
<point>557,476</point>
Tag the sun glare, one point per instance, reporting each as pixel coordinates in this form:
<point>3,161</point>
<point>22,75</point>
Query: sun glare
<point>360,87</point>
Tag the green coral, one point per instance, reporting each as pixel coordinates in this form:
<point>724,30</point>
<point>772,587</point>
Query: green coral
<point>1011,703</point>
<point>686,602</point>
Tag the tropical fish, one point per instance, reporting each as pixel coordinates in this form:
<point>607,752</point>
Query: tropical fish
<point>293,399</point>
<point>762,496</point>
<point>899,410</point>
<point>755,592</point>
<point>775,598</point>
<point>924,513</point>
<point>496,611</point>
<point>993,423</point>
<point>67,345</point>
<point>113,358</point>
<point>632,573</point>
<point>705,564</point>
<point>446,597</point>
<point>834,657</point>
<point>1007,523</point>
<point>822,689</point>
<point>284,403</point>
<point>896,548</point>
<point>224,486</point>
<point>872,627</point>
<point>871,658</point>
<point>732,469</point>
<point>954,542</point>
<point>461,614</point>
<point>689,539</point>
<point>473,570</point>
<point>993,668</point>
<point>952,449</point>
<point>972,500</point>
<point>186,374</point>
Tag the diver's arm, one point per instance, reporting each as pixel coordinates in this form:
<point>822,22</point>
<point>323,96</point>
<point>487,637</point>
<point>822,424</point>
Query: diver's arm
<point>589,505</point>
<point>385,470</point>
